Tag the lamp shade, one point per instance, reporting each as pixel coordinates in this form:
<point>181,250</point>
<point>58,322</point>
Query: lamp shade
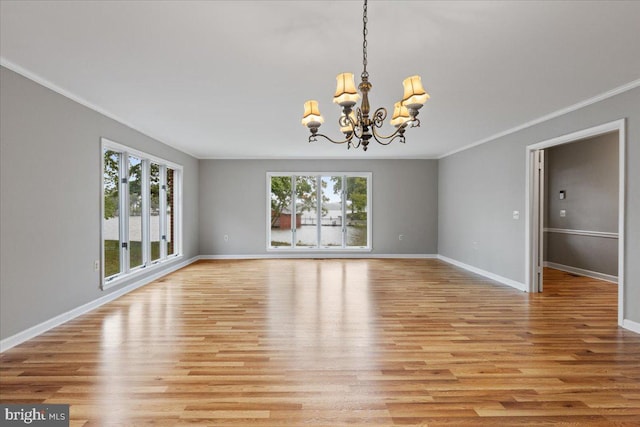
<point>348,128</point>
<point>312,116</point>
<point>400,114</point>
<point>414,94</point>
<point>346,93</point>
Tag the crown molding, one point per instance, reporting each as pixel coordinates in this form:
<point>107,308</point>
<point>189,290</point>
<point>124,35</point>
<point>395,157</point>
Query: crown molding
<point>61,91</point>
<point>49,85</point>
<point>613,92</point>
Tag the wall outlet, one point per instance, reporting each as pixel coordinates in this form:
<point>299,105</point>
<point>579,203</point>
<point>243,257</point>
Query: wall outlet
<point>516,214</point>
<point>400,236</point>
<point>474,245</point>
<point>226,237</point>
<point>96,265</point>
<point>563,213</point>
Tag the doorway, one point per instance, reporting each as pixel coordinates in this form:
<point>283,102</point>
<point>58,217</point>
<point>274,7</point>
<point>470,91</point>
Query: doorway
<point>536,206</point>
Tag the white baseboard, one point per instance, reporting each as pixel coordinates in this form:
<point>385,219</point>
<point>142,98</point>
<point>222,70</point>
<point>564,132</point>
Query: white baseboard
<point>631,325</point>
<point>582,272</point>
<point>487,274</point>
<point>405,256</point>
<point>345,255</point>
<point>221,257</point>
<point>36,330</point>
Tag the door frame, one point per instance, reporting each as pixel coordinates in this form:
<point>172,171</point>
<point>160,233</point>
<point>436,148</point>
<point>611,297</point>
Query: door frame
<point>537,165</point>
<point>532,203</point>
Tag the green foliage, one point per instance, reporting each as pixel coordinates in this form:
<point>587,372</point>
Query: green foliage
<point>111,168</point>
<point>110,205</point>
<point>306,195</point>
<point>112,255</point>
<point>280,196</point>
<point>111,187</point>
<point>277,243</point>
<point>357,216</point>
<point>356,192</point>
<point>154,181</point>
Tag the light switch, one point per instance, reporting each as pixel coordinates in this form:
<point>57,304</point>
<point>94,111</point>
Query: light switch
<point>563,195</point>
<point>563,213</point>
<point>516,214</point>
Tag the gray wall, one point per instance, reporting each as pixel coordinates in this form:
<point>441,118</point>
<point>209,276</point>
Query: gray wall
<point>50,210</point>
<point>588,172</point>
<point>233,202</point>
<point>477,197</point>
<point>460,207</point>
<point>480,187</point>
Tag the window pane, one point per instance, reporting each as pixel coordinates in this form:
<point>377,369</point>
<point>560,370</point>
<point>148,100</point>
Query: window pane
<point>111,220</point>
<point>154,210</point>
<point>135,212</point>
<point>357,203</point>
<point>306,211</point>
<point>171,249</point>
<point>331,230</point>
<point>280,211</point>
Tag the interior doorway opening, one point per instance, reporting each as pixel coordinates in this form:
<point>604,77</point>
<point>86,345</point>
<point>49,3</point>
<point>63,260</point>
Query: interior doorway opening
<point>541,223</point>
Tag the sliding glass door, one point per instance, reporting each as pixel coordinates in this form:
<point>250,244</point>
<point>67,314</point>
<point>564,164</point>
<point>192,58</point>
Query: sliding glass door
<point>319,211</point>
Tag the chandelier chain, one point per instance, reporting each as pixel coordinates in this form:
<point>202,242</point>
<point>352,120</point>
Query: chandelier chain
<point>365,74</point>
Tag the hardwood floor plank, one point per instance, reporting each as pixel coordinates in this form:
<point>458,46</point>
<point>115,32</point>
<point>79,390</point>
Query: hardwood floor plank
<point>327,342</point>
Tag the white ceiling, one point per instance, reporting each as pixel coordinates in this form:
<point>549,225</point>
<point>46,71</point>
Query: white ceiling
<point>227,79</point>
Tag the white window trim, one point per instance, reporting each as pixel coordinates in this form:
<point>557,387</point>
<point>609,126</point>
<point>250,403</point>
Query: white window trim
<point>320,249</point>
<point>147,266</point>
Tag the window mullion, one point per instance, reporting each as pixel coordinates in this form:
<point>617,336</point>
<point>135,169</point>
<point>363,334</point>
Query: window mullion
<point>125,244</point>
<point>369,210</point>
<point>177,213</point>
<point>146,200</point>
<point>319,194</point>
<point>344,211</point>
<point>162,205</point>
<point>293,211</point>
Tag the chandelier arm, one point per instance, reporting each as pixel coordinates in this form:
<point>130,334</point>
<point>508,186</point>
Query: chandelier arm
<point>313,138</point>
<point>379,117</point>
<point>388,139</point>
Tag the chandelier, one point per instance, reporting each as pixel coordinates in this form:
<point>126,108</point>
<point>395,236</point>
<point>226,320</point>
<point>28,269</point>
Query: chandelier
<point>357,127</point>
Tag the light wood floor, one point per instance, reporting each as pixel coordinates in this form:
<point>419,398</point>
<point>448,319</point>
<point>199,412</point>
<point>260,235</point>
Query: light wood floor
<point>335,342</point>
